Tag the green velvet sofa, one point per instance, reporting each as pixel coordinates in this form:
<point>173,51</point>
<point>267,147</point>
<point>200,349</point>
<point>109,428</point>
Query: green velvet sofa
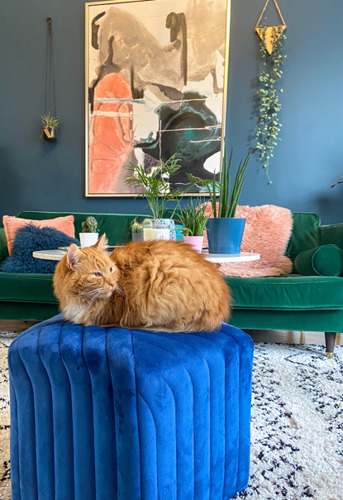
<point>288,302</point>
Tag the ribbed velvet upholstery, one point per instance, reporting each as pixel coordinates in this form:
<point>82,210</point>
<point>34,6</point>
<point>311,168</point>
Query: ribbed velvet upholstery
<point>118,414</point>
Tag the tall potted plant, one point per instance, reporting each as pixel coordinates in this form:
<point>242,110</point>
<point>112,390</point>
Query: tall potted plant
<point>225,230</point>
<point>156,189</point>
<point>194,220</point>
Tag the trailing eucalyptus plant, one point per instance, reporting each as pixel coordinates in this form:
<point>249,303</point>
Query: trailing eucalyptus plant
<point>269,107</point>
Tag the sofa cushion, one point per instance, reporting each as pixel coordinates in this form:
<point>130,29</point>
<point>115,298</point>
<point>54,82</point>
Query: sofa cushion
<point>325,260</point>
<point>12,224</point>
<point>19,287</point>
<point>305,234</point>
<point>28,239</point>
<point>287,292</point>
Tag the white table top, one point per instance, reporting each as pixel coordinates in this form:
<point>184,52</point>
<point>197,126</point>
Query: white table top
<point>220,258</point>
<point>212,257</point>
<point>49,254</point>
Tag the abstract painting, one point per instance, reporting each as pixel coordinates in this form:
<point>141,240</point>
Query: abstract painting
<point>156,78</point>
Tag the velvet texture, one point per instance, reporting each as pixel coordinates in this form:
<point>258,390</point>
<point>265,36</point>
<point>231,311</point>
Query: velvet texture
<point>112,413</point>
<point>325,260</point>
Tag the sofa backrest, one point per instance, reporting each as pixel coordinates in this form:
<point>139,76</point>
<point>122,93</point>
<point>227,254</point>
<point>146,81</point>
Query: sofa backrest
<point>116,226</point>
<point>305,233</point>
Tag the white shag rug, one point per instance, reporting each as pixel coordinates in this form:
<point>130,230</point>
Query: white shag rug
<point>296,424</point>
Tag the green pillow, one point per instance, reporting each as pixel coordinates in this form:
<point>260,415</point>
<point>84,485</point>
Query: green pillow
<point>325,260</point>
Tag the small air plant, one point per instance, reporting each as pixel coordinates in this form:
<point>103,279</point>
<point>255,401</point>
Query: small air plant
<point>50,125</point>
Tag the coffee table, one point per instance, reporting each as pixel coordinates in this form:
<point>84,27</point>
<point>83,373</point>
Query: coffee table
<point>217,258</point>
<point>220,258</point>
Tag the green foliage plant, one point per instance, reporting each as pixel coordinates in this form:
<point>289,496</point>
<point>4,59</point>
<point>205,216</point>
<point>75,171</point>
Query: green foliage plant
<point>155,186</point>
<point>193,218</point>
<point>90,225</point>
<point>228,198</point>
<point>50,121</point>
<point>269,106</point>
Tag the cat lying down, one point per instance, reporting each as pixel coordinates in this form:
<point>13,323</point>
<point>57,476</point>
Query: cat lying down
<point>153,284</point>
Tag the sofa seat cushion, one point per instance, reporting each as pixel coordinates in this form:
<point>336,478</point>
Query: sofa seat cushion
<point>287,292</point>
<point>20,287</point>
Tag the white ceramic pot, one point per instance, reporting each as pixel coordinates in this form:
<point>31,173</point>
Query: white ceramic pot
<point>88,239</point>
<point>195,242</point>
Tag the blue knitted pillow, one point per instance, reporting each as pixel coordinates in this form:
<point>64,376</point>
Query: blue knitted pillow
<point>28,239</point>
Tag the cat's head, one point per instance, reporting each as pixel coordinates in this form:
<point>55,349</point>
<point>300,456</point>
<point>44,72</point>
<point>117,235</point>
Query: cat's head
<point>90,273</point>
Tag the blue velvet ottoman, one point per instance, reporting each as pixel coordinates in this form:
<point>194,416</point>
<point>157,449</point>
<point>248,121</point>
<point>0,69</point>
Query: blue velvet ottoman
<point>117,414</point>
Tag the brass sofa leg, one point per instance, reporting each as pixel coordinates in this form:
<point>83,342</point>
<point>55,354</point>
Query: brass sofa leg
<point>302,338</point>
<point>330,339</point>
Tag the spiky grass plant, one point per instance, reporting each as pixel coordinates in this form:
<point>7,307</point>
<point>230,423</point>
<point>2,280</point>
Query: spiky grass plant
<point>228,200</point>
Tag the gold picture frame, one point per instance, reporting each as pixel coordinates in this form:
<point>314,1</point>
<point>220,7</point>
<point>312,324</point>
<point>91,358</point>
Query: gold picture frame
<point>156,84</point>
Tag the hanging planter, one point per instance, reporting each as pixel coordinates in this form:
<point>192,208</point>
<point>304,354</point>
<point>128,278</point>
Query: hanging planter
<point>269,125</point>
<point>50,125</point>
<point>50,122</point>
<point>270,34</point>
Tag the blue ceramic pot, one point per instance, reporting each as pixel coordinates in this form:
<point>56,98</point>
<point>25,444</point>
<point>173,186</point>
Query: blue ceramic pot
<point>225,234</point>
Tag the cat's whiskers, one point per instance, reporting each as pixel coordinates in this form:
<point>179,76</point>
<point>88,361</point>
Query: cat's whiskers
<point>93,295</point>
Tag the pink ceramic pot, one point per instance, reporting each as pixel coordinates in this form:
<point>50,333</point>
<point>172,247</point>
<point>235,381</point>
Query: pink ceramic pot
<point>194,241</point>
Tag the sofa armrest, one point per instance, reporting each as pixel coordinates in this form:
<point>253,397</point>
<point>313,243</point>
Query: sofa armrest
<point>3,244</point>
<point>332,233</point>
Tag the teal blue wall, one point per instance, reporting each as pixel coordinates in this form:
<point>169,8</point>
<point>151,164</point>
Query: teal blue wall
<point>40,176</point>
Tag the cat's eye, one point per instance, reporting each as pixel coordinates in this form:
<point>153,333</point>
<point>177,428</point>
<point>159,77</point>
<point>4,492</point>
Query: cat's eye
<point>111,269</point>
<point>97,274</point>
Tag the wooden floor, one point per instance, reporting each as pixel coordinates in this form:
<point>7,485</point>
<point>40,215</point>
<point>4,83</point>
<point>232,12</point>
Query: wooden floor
<point>287,337</point>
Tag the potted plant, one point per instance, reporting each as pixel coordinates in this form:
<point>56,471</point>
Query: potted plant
<point>50,125</point>
<point>89,235</point>
<point>194,220</point>
<point>137,230</point>
<point>156,189</point>
<point>225,230</point>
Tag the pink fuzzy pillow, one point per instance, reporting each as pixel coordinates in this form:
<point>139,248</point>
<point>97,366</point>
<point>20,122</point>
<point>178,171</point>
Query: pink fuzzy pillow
<point>268,229</point>
<point>12,224</point>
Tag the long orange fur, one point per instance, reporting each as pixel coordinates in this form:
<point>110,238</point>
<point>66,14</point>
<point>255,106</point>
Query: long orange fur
<point>155,284</point>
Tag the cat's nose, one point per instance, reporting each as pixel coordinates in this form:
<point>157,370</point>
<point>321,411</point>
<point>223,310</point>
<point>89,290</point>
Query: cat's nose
<point>111,284</point>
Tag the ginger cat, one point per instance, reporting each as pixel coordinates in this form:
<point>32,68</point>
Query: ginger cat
<point>154,284</point>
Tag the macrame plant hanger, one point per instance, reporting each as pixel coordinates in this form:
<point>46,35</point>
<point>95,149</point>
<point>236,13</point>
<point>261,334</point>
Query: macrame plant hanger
<point>50,126</point>
<point>270,34</point>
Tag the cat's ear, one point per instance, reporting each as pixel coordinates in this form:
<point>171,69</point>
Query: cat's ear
<point>73,256</point>
<point>101,242</point>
